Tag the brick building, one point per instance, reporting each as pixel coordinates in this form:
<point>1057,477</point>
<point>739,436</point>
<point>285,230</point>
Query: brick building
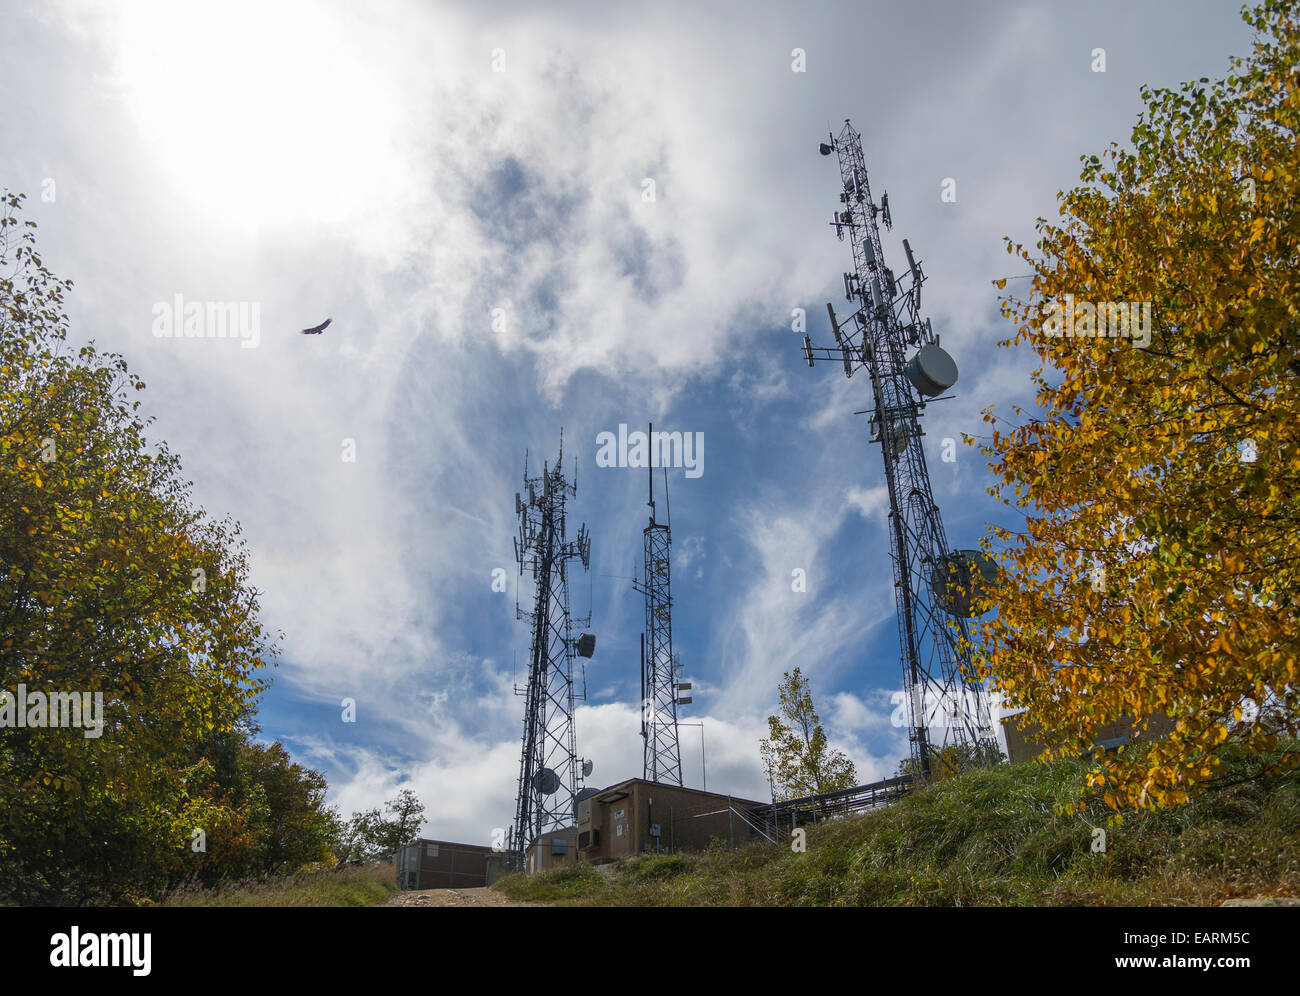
<point>1026,744</point>
<point>442,864</point>
<point>552,849</point>
<point>636,816</point>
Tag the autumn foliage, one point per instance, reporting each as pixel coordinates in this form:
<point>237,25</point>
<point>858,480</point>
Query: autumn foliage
<point>1158,569</point>
<point>113,584</point>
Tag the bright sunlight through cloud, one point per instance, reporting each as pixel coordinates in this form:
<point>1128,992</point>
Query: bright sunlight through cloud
<point>264,115</point>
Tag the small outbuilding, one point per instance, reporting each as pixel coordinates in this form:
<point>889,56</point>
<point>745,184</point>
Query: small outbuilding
<point>442,864</point>
<point>638,816</point>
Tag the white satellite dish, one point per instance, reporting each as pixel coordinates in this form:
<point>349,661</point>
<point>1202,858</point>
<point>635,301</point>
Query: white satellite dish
<point>586,768</point>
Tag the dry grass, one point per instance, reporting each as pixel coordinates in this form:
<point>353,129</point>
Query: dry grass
<point>354,885</point>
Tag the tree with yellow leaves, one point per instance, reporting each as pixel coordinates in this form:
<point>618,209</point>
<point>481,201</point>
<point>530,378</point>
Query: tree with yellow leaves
<point>1158,570</point>
<point>116,589</point>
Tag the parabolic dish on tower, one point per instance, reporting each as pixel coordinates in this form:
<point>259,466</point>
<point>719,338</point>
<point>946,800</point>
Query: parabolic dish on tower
<point>932,371</point>
<point>546,781</point>
<point>960,579</point>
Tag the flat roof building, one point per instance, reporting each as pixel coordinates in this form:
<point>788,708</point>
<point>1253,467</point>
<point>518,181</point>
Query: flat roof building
<point>636,816</point>
<point>551,850</point>
<point>442,864</point>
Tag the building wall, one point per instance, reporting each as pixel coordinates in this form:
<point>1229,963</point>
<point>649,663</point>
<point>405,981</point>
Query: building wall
<point>1026,744</point>
<point>552,850</point>
<point>497,866</point>
<point>617,818</point>
<point>443,864</point>
<point>620,820</point>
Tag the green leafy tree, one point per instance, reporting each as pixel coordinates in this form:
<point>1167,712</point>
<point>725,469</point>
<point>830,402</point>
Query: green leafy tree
<point>297,829</point>
<point>372,835</point>
<point>262,813</point>
<point>1157,569</point>
<point>796,754</point>
<point>405,817</point>
<point>111,583</point>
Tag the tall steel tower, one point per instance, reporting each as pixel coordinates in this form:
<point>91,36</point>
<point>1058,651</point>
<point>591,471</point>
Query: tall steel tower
<point>661,756</point>
<point>933,585</point>
<point>548,765</point>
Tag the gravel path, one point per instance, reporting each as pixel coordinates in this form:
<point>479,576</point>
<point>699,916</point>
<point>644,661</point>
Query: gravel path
<point>453,897</point>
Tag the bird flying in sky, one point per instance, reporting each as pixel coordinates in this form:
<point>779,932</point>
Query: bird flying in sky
<point>318,329</point>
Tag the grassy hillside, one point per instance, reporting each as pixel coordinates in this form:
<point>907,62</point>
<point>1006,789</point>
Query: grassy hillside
<point>359,885</point>
<point>998,837</point>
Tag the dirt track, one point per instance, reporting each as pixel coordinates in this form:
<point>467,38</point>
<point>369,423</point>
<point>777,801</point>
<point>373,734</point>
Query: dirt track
<point>453,897</point>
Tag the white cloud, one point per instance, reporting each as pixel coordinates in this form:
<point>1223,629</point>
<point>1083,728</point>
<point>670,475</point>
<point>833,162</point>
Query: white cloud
<point>369,166</point>
<point>871,503</point>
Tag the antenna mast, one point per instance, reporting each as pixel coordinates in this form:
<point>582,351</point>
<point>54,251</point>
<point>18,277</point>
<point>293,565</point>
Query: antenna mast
<point>933,631</point>
<point>661,754</point>
<point>548,765</point>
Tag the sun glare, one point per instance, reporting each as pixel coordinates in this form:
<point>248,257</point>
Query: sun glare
<point>262,114</point>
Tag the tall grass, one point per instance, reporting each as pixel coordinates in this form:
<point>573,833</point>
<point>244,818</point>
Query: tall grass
<point>1013,835</point>
<point>354,885</point>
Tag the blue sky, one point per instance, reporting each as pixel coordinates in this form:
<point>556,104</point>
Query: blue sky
<point>368,164</point>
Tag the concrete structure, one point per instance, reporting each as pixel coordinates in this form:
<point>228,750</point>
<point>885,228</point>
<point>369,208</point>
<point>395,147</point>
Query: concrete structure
<point>442,864</point>
<point>1026,744</point>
